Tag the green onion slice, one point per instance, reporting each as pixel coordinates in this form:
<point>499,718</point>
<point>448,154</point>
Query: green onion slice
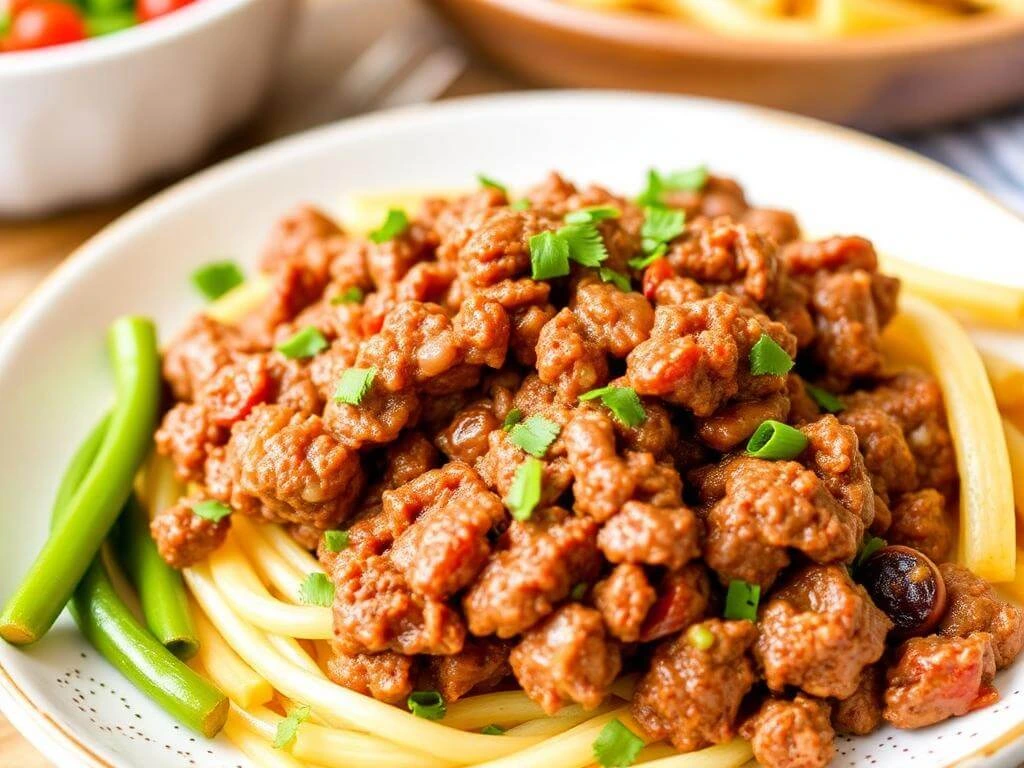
<point>617,746</point>
<point>426,704</point>
<point>825,399</point>
<point>535,435</point>
<point>700,637</point>
<point>767,357</point>
<point>774,441</point>
<point>623,402</point>
<point>492,730</point>
<point>524,493</point>
<point>395,223</point>
<point>354,384</point>
<point>305,343</point>
<point>215,279</point>
<point>741,600</point>
<point>522,204</point>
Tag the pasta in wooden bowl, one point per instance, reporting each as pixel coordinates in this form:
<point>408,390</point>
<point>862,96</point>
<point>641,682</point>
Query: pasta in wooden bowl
<point>875,64</point>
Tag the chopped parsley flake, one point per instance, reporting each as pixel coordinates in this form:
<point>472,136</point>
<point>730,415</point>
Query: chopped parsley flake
<point>623,402</point>
<point>210,510</point>
<point>535,435</point>
<point>354,384</point>
<point>395,223</point>
<point>287,728</point>
<point>215,279</point>
<point>524,493</point>
<point>305,343</point>
<point>316,589</point>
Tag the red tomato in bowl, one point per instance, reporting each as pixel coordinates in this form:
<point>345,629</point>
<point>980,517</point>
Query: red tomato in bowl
<point>151,9</point>
<point>43,23</point>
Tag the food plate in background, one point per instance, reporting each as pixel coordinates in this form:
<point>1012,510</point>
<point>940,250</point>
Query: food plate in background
<point>898,80</point>
<point>54,376</point>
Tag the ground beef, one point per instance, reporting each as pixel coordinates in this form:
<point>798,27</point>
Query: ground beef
<point>199,351</point>
<point>536,564</point>
<point>682,599</point>
<point>934,678</point>
<point>375,610</point>
<point>287,468</point>
<point>387,676</point>
<point>697,355</point>
<point>691,696</point>
<point>818,632</point>
<point>624,598</point>
<point>644,533</point>
<point>466,437</point>
<point>791,733</point>
<point>802,408</point>
<point>781,226</point>
<point>567,359</point>
<point>293,233</point>
<point>914,400</point>
<point>451,512</point>
<point>612,320</point>
<point>500,464</point>
<point>887,456</point>
<point>567,658</point>
<point>974,606</point>
<point>757,510</point>
<point>719,196</point>
<point>919,521</point>
<point>498,247</point>
<point>378,419</point>
<point>182,537</point>
<point>477,668</point>
<point>186,436</point>
<point>733,424</point>
<point>861,713</point>
<point>832,453</point>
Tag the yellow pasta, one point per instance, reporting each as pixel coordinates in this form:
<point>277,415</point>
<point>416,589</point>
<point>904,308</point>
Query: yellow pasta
<point>366,211</point>
<point>859,16</point>
<point>255,746</point>
<point>1007,380</point>
<point>732,755</point>
<point>572,749</point>
<point>223,666</point>
<point>332,700</point>
<point>804,19</point>
<point>986,487</point>
<point>987,303</point>
<point>248,596</point>
<point>240,301</point>
<point>505,708</point>
<point>1015,448</point>
<point>269,564</point>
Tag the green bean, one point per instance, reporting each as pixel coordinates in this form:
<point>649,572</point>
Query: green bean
<point>94,507</point>
<point>112,629</point>
<point>160,588</point>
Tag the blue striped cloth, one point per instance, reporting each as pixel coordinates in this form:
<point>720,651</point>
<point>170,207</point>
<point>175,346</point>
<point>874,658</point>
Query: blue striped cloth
<point>989,151</point>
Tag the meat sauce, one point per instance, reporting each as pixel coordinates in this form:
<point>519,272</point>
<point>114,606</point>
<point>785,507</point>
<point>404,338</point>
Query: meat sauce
<point>640,527</point>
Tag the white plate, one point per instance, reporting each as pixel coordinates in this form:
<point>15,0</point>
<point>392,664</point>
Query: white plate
<point>54,381</point>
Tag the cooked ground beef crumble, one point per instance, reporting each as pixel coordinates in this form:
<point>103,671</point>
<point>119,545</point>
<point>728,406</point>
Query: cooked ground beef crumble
<point>640,525</point>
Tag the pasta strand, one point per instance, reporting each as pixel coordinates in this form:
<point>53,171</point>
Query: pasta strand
<point>986,487</point>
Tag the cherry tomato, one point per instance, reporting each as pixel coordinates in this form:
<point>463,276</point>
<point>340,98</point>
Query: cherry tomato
<point>150,9</point>
<point>44,23</point>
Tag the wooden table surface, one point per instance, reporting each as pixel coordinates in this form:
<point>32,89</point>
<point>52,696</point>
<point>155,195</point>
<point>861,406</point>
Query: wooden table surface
<point>29,250</point>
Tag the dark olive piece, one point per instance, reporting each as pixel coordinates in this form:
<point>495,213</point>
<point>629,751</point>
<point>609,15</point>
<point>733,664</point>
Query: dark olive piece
<point>907,586</point>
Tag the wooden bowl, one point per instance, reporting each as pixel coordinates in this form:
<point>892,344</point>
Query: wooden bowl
<point>893,81</point>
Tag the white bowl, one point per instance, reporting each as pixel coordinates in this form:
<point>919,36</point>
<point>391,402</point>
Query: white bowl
<point>90,120</point>
<point>54,378</point>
